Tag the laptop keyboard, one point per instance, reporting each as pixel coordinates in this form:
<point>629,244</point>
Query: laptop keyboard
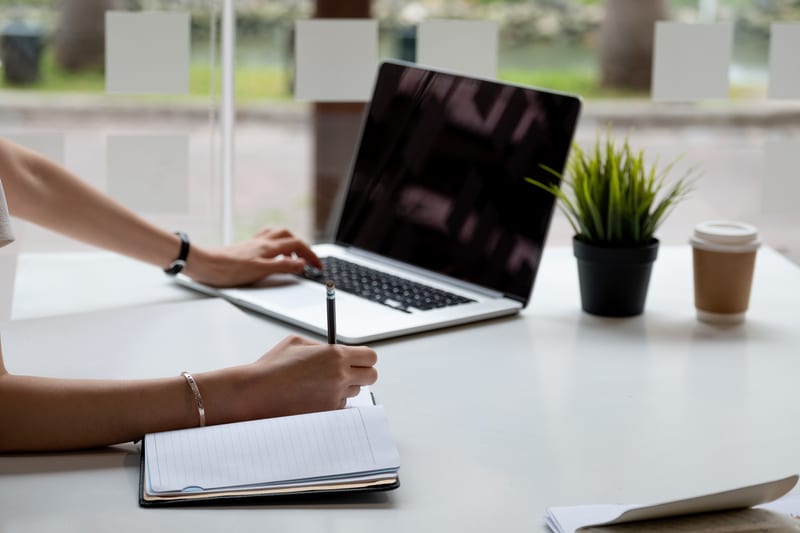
<point>393,291</point>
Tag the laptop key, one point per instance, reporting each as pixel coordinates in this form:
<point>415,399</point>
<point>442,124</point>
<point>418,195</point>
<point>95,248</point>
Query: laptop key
<point>392,291</point>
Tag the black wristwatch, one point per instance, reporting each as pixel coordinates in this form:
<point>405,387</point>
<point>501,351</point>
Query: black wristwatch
<point>177,265</point>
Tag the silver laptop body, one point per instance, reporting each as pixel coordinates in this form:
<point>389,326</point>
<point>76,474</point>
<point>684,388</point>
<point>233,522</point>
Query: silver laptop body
<point>436,196</point>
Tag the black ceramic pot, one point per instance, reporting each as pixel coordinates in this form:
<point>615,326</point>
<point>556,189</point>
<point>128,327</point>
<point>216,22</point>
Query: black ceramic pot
<point>614,280</point>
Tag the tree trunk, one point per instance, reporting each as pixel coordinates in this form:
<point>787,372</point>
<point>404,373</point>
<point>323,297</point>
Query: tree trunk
<point>626,42</point>
<point>80,39</point>
<point>336,128</point>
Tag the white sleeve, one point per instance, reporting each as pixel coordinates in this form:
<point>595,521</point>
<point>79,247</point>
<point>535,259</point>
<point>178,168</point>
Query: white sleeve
<point>6,235</point>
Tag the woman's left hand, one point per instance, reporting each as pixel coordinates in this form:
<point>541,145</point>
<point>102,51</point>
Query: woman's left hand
<point>268,252</point>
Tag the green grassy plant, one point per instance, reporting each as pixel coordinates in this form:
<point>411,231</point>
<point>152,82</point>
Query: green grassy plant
<point>612,197</point>
<point>253,83</point>
<point>264,83</point>
<point>582,81</point>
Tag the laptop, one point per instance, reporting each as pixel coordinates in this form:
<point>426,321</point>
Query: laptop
<point>437,225</point>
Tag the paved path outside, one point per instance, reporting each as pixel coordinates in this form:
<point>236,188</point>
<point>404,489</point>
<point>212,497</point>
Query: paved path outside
<point>273,158</point>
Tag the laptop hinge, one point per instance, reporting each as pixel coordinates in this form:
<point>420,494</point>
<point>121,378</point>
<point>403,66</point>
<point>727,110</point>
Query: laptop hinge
<point>489,293</point>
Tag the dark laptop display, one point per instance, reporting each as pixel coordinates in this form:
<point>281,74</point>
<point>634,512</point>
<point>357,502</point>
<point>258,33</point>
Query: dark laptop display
<point>438,180</point>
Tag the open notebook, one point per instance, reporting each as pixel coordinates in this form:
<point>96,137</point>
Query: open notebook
<point>348,449</point>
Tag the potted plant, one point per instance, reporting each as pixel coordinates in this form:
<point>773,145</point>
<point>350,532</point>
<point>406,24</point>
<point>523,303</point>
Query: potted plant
<point>615,202</point>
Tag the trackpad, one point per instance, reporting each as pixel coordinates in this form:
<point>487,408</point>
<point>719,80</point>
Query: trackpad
<point>281,293</point>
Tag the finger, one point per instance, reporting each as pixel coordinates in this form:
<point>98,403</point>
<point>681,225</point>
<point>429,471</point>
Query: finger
<point>292,245</point>
<point>282,265</point>
<point>274,233</point>
<point>343,403</point>
<point>353,391</point>
<point>361,356</point>
<point>281,233</point>
<point>302,341</point>
<point>363,376</point>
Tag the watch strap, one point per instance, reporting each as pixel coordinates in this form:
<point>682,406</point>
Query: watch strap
<point>180,262</point>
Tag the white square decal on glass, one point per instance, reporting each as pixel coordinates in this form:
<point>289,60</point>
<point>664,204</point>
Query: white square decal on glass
<point>781,188</point>
<point>149,174</point>
<point>692,61</point>
<point>147,52</point>
<point>784,68</point>
<point>335,60</point>
<point>463,46</point>
<point>49,145</point>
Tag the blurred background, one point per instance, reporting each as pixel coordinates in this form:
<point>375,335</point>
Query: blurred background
<point>552,43</point>
<point>289,163</point>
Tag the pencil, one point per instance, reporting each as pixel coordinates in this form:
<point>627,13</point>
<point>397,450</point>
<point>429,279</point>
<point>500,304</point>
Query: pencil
<point>331,301</point>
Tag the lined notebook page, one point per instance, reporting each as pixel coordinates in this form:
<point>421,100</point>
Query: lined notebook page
<point>259,452</point>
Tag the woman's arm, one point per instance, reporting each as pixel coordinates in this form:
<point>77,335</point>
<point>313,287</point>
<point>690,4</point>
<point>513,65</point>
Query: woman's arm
<point>42,192</point>
<point>296,376</point>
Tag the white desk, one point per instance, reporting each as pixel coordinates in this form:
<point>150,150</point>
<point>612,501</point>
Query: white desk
<point>494,422</point>
<point>76,282</point>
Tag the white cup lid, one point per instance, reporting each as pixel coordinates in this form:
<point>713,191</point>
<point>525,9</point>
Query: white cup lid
<point>725,235</point>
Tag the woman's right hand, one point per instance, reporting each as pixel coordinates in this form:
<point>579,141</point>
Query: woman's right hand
<point>296,376</point>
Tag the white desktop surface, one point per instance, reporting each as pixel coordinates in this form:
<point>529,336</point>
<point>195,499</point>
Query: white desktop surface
<point>74,282</point>
<point>494,422</point>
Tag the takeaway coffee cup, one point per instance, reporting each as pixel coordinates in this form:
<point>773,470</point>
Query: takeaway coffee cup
<point>724,255</point>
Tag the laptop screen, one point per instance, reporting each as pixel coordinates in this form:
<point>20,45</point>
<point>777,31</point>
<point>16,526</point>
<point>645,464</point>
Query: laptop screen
<point>438,177</point>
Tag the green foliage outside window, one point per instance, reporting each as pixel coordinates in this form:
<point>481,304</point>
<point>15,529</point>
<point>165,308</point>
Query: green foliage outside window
<point>262,74</point>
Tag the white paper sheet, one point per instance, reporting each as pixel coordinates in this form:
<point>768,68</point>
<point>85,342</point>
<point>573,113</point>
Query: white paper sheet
<point>263,452</point>
<point>569,519</point>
